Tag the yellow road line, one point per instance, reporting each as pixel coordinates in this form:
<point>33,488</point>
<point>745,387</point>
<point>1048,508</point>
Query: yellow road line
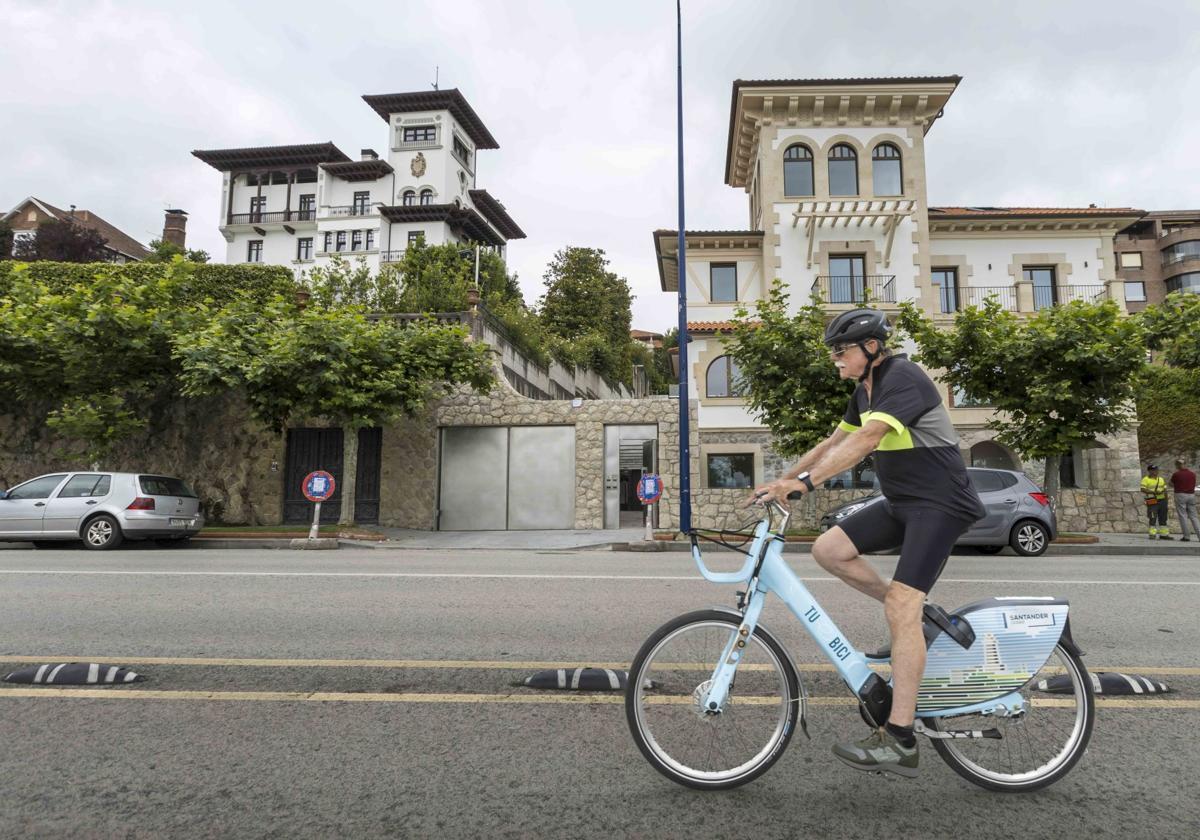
<point>484,664</point>
<point>528,699</point>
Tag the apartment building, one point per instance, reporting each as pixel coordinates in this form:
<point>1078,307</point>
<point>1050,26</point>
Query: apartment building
<point>833,171</point>
<point>1159,254</point>
<point>300,205</point>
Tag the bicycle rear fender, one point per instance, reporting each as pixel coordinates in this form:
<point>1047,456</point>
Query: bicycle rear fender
<point>1013,639</point>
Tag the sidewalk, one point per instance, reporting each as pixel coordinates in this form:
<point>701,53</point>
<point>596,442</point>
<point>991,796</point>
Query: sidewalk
<point>515,540</point>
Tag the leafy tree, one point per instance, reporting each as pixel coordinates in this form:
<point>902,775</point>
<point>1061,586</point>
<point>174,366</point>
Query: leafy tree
<point>786,376</point>
<point>92,359</point>
<point>163,251</point>
<point>1058,379</point>
<point>1168,407</point>
<point>6,240</point>
<point>333,362</point>
<point>63,241</point>
<point>1171,328</point>
<point>586,311</point>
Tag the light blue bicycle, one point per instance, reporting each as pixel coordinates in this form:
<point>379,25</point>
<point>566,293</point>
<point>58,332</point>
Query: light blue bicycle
<point>714,698</point>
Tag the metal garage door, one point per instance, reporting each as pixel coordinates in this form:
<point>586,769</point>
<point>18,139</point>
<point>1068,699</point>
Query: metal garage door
<point>500,478</point>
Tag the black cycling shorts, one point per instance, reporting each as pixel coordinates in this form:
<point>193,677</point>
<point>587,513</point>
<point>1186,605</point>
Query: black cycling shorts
<point>924,535</point>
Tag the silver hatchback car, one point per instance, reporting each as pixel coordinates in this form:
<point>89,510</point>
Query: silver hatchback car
<point>1019,514</point>
<point>103,509</point>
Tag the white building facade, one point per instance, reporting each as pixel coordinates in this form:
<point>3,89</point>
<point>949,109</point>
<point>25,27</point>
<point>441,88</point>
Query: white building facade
<point>300,205</point>
<point>834,174</point>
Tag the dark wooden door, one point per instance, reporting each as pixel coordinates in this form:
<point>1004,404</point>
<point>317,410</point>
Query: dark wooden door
<point>321,449</point>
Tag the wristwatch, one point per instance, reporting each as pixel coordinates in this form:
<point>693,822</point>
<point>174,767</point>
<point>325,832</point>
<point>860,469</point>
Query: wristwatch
<point>803,477</point>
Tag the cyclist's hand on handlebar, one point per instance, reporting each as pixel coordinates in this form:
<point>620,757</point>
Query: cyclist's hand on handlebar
<point>784,488</point>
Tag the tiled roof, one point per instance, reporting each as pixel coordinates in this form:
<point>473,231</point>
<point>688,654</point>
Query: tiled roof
<point>358,170</point>
<point>495,213</point>
<point>263,157</point>
<point>710,326</point>
<point>1031,212</point>
<point>461,218</point>
<point>116,239</point>
<point>730,233</point>
<point>450,100</point>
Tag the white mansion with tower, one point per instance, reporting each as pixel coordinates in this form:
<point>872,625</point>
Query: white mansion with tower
<point>833,171</point>
<point>300,205</point>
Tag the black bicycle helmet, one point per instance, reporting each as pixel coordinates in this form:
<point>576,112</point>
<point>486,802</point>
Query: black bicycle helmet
<point>857,326</point>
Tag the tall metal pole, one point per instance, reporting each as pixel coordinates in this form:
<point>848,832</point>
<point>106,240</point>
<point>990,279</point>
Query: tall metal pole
<point>685,460</point>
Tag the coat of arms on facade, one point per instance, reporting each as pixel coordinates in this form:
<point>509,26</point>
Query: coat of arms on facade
<point>418,165</point>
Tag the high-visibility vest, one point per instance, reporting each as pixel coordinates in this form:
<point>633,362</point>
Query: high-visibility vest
<point>1154,489</point>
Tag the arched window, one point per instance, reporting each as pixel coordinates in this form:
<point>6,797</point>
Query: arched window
<point>427,196</point>
<point>885,170</point>
<point>843,170</point>
<point>409,198</point>
<point>798,170</point>
<point>723,379</point>
<point>990,454</point>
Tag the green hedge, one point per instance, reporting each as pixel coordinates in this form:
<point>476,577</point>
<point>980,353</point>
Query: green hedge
<point>1168,406</point>
<point>216,282</point>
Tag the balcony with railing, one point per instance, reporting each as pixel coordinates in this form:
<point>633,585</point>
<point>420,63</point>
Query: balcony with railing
<point>391,256</point>
<point>855,289</point>
<point>341,210</point>
<point>262,217</point>
<point>1016,298</point>
<point>958,298</point>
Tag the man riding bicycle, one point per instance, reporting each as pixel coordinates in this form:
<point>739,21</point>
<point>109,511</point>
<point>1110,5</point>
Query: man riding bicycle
<point>896,412</point>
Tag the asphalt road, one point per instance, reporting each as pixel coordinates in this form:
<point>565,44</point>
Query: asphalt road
<point>370,693</point>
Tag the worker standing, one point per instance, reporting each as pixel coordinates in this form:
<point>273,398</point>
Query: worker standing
<point>1154,491</point>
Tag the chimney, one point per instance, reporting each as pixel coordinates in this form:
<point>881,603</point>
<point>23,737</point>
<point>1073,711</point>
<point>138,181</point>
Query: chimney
<point>72,213</point>
<point>369,154</point>
<point>175,227</point>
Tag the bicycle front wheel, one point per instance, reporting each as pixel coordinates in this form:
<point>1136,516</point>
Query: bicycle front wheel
<point>1036,748</point>
<point>667,684</point>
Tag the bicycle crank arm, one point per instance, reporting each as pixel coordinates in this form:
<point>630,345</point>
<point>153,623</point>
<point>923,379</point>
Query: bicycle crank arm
<point>953,734</point>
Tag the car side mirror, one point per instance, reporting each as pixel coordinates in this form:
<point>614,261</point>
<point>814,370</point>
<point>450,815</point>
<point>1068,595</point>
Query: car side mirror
<point>3,494</point>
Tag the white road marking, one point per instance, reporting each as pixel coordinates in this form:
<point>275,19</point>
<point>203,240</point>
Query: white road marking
<point>61,693</point>
<point>512,576</point>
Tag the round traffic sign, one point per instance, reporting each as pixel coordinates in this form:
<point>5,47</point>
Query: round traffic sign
<point>650,488</point>
<point>318,486</point>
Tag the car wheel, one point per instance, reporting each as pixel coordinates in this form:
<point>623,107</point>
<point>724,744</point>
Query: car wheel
<point>989,549</point>
<point>1029,538</point>
<point>102,533</point>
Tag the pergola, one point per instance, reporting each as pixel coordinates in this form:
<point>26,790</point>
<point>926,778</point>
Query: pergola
<point>887,214</point>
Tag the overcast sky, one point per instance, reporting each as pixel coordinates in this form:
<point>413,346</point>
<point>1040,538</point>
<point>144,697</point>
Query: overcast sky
<point>1062,103</point>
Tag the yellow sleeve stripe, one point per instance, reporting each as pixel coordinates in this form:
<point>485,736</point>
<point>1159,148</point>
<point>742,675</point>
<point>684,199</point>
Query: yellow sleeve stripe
<point>849,428</point>
<point>886,418</point>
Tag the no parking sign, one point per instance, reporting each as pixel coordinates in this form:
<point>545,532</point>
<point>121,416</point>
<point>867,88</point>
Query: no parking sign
<point>318,486</point>
<point>650,488</point>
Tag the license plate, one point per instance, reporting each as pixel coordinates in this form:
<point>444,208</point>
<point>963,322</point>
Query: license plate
<point>182,523</point>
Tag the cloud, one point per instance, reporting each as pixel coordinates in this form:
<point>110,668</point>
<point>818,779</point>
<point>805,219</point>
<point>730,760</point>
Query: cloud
<point>1060,104</point>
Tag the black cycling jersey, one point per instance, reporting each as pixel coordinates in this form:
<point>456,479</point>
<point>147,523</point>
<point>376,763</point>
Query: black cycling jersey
<point>918,461</point>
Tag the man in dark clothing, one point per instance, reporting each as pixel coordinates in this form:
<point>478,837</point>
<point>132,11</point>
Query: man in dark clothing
<point>1183,482</point>
<point>897,413</point>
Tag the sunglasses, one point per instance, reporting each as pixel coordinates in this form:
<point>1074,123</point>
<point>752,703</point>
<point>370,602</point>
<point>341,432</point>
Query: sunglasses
<point>837,350</point>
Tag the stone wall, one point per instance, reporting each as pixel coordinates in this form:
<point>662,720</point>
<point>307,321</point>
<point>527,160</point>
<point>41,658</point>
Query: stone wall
<point>723,509</point>
<point>235,466</point>
<point>409,470</point>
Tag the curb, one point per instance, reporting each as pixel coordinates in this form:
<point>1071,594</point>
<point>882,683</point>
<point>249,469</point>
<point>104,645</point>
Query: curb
<point>1065,550</point>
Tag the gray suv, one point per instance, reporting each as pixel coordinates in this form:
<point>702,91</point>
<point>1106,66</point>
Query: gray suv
<point>102,509</point>
<point>1019,514</point>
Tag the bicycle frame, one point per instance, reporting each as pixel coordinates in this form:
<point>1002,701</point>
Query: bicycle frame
<point>766,571</point>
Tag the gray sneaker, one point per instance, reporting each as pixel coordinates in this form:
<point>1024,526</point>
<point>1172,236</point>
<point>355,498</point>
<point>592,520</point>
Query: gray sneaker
<point>879,752</point>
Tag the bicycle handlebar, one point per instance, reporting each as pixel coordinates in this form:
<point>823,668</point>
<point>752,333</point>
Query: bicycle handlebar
<point>762,532</point>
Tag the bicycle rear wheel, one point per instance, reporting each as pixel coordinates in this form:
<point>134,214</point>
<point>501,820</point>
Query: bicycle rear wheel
<point>667,683</point>
<point>1036,748</point>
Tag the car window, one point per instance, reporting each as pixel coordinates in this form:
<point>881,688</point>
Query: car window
<point>161,485</point>
<point>39,488</point>
<point>1007,480</point>
<point>985,481</point>
<point>84,485</point>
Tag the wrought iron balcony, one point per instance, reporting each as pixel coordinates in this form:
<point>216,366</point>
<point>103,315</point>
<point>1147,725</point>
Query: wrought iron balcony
<point>351,210</point>
<point>1044,296</point>
<point>870,288</point>
<point>273,217</point>
<point>391,256</point>
<point>958,298</point>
